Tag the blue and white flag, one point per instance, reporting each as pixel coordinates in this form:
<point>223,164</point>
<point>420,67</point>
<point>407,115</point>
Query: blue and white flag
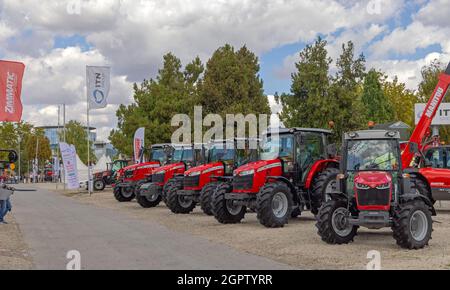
<point>98,84</point>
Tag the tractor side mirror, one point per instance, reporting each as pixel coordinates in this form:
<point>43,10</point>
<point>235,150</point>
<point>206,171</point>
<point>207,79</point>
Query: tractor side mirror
<point>332,150</point>
<point>414,147</point>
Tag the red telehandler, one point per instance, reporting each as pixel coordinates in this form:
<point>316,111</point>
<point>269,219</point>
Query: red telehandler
<point>431,167</point>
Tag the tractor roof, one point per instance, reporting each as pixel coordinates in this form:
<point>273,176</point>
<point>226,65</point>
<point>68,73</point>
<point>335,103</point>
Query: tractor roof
<point>373,134</point>
<point>282,131</point>
<point>161,145</point>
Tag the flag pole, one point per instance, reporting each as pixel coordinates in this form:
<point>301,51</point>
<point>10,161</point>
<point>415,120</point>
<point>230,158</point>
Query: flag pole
<point>88,145</point>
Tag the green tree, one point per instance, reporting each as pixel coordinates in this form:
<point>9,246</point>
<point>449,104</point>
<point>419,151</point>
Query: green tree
<point>402,101</point>
<point>76,135</point>
<point>232,85</point>
<point>345,91</point>
<point>156,101</point>
<point>308,104</point>
<point>377,105</point>
<point>37,143</point>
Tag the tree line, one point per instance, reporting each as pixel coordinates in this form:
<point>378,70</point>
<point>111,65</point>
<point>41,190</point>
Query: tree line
<point>323,90</point>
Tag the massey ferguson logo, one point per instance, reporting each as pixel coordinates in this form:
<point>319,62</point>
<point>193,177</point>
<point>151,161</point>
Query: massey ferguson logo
<point>434,102</point>
<point>11,84</point>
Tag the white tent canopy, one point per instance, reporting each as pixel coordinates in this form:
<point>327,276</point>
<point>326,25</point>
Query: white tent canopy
<point>102,164</point>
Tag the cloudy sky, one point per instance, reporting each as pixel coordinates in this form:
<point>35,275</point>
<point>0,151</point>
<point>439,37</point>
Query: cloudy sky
<point>56,39</point>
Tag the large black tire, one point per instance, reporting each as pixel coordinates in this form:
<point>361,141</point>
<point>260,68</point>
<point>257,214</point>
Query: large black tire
<point>138,185</point>
<point>177,203</point>
<point>319,188</point>
<point>206,195</point>
<point>99,185</point>
<point>221,207</point>
<point>325,226</point>
<point>148,202</point>
<point>274,194</point>
<point>118,194</point>
<point>408,234</point>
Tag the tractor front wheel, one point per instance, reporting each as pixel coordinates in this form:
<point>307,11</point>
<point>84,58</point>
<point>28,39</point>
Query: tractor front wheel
<point>226,211</point>
<point>332,222</point>
<point>274,205</point>
<point>148,201</point>
<point>413,225</point>
<point>206,196</point>
<point>178,204</point>
<point>324,184</point>
<point>99,185</point>
<point>124,194</point>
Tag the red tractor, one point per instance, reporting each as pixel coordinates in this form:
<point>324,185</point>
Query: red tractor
<point>158,183</point>
<point>130,178</point>
<point>431,166</point>
<point>108,177</point>
<point>373,191</point>
<point>199,183</point>
<point>297,168</point>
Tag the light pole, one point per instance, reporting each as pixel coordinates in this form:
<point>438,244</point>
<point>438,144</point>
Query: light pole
<point>20,172</point>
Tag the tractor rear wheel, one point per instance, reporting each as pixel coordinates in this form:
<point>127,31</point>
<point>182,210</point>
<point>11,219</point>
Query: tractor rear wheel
<point>178,204</point>
<point>225,211</point>
<point>148,201</point>
<point>274,205</point>
<point>413,225</point>
<point>124,194</point>
<point>333,225</point>
<point>323,184</point>
<point>206,196</point>
<point>99,185</point>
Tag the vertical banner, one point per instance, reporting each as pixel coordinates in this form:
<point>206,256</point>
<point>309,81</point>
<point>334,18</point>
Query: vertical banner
<point>11,75</point>
<point>139,143</point>
<point>69,156</point>
<point>56,168</point>
<point>98,84</point>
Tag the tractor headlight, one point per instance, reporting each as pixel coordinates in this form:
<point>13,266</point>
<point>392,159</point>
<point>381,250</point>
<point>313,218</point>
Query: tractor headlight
<point>195,173</point>
<point>384,186</point>
<point>362,186</point>
<point>246,173</point>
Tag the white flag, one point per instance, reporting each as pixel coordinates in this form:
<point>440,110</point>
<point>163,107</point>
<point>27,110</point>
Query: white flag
<point>98,83</point>
<point>69,156</point>
<point>139,143</point>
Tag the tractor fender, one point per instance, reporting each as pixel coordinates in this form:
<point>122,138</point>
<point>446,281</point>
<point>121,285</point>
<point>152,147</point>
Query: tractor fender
<point>338,196</point>
<point>411,197</point>
<point>318,167</point>
<point>287,182</point>
<point>417,175</point>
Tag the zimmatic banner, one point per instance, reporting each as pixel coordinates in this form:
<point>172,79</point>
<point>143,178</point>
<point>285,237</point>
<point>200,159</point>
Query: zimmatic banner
<point>98,83</point>
<point>139,143</point>
<point>11,75</point>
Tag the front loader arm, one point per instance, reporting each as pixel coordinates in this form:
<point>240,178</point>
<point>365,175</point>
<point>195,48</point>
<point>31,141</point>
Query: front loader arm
<point>428,115</point>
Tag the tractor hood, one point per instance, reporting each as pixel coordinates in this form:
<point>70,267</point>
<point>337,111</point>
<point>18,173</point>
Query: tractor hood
<point>170,167</point>
<point>373,179</point>
<point>204,169</point>
<point>131,167</point>
<point>258,166</point>
<point>148,165</point>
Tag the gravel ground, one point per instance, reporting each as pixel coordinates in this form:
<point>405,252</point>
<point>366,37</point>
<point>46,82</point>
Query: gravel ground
<point>297,244</point>
<point>14,253</point>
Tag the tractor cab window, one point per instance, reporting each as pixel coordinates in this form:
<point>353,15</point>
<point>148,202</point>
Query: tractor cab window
<point>158,154</point>
<point>223,153</point>
<point>184,155</point>
<point>436,158</point>
<point>311,149</point>
<point>199,155</point>
<point>116,166</point>
<point>278,147</point>
<point>368,155</point>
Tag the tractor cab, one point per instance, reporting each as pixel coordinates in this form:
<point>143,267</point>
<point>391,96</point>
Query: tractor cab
<point>198,183</point>
<point>284,180</point>
<point>374,192</point>
<point>183,158</point>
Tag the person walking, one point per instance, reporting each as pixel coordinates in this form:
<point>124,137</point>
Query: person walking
<point>5,203</point>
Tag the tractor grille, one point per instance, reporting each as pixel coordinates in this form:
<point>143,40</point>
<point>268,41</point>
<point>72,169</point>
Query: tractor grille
<point>158,178</point>
<point>191,181</point>
<point>129,174</point>
<point>243,182</point>
<point>373,197</point>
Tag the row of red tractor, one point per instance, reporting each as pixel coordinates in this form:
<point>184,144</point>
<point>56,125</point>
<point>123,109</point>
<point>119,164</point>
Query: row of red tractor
<point>373,181</point>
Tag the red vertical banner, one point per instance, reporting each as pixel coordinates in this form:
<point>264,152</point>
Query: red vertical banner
<point>11,75</point>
